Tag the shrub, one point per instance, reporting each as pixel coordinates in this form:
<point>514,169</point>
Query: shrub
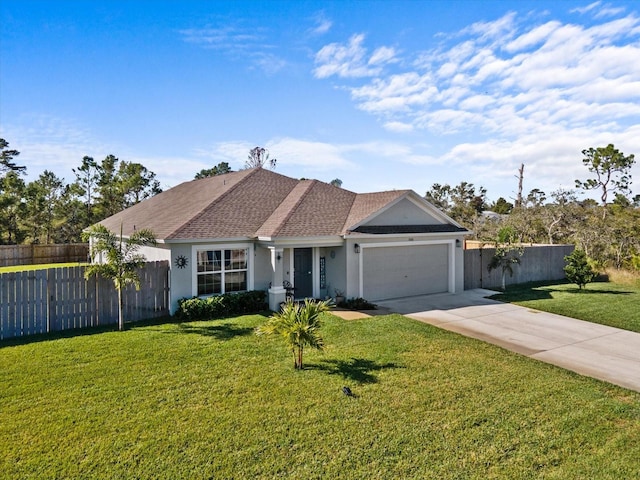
<point>578,270</point>
<point>219,306</point>
<point>357,304</point>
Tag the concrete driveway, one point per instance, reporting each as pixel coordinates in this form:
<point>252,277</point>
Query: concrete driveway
<point>598,351</point>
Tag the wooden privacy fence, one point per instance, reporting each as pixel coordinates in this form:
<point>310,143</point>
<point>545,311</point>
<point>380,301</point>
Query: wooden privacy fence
<point>538,263</point>
<point>11,255</point>
<point>55,299</point>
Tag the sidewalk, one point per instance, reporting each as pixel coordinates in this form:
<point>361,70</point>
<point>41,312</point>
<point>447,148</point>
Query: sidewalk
<point>590,349</point>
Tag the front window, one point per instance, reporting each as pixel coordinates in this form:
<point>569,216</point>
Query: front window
<point>216,276</point>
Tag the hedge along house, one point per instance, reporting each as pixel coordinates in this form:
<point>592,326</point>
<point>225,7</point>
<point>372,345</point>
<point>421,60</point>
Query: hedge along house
<point>257,230</point>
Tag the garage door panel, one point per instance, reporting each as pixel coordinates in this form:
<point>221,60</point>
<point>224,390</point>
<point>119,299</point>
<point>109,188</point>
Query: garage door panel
<point>392,272</point>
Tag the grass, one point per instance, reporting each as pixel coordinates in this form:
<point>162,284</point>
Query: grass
<point>212,400</point>
<point>608,303</point>
<point>23,268</point>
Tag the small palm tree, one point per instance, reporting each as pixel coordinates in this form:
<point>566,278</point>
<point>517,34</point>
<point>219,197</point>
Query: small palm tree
<point>121,255</point>
<point>299,325</point>
<point>506,255</point>
<point>504,259</point>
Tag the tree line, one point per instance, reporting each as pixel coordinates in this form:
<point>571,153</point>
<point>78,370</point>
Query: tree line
<point>50,210</point>
<point>607,231</point>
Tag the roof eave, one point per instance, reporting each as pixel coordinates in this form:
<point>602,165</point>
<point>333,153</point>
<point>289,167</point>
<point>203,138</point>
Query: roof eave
<point>177,241</point>
<point>408,235</point>
<point>301,242</point>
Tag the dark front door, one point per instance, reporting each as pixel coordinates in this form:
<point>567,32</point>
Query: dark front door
<point>302,272</point>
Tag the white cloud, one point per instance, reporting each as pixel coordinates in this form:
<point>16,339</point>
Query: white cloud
<point>399,127</point>
<point>235,153</point>
<point>514,91</point>
<point>382,55</point>
<point>288,152</point>
<point>322,24</point>
<point>171,170</point>
<point>586,8</point>
<point>316,155</point>
<point>239,43</point>
<point>50,143</point>
<point>609,12</point>
<point>58,144</point>
<point>476,102</point>
<point>350,60</point>
<point>599,11</point>
<point>498,30</point>
<point>225,38</point>
<point>269,63</point>
<point>533,37</point>
<point>507,78</point>
<point>396,93</point>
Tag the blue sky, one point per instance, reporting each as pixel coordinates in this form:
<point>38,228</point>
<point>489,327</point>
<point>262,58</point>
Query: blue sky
<point>383,95</point>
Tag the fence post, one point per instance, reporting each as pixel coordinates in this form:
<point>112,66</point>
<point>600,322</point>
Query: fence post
<point>48,292</point>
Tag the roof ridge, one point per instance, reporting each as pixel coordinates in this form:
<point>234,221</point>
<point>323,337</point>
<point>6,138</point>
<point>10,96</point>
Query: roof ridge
<point>215,200</point>
<point>344,226</point>
<point>294,207</point>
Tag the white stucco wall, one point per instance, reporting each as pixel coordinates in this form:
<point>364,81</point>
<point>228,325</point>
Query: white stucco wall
<point>459,267</point>
<point>263,270</point>
<point>342,270</point>
<point>287,265</point>
<point>336,269</point>
<point>158,253</point>
<point>181,277</point>
<point>352,288</point>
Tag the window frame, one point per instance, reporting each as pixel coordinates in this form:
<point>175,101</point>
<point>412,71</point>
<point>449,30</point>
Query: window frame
<point>222,248</point>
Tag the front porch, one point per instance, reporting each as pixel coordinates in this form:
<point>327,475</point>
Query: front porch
<point>303,271</point>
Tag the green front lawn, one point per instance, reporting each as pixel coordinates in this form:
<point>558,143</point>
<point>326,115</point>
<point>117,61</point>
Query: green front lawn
<point>212,400</point>
<point>608,303</point>
<point>24,268</point>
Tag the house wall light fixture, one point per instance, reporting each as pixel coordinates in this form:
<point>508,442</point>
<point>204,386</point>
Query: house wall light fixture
<point>356,248</point>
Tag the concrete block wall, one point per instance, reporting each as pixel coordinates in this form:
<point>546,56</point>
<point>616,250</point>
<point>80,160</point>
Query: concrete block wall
<point>538,263</point>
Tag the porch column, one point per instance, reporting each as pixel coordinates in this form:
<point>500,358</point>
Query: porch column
<point>277,293</point>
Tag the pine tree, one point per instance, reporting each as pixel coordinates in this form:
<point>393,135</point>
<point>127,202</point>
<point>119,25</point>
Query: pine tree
<point>578,270</point>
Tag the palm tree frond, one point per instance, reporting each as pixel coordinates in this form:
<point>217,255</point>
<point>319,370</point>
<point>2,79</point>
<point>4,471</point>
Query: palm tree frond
<point>299,325</point>
<point>121,260</point>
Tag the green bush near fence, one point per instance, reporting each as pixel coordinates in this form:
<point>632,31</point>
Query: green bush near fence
<point>220,306</point>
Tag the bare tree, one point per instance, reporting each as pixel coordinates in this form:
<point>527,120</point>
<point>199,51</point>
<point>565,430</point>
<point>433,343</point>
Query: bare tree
<point>520,179</point>
<point>259,157</point>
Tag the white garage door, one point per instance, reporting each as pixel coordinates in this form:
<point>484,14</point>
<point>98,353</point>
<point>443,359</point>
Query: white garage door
<point>393,272</point>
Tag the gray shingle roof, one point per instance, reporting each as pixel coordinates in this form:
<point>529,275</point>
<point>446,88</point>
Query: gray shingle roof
<point>366,204</point>
<point>249,204</point>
